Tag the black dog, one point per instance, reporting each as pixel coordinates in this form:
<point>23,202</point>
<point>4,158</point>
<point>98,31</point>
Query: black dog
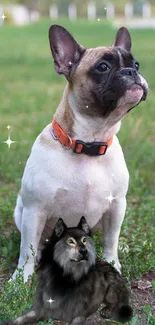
<point>73,284</point>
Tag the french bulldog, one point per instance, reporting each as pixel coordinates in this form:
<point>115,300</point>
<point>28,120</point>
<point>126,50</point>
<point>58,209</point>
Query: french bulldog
<point>76,166</point>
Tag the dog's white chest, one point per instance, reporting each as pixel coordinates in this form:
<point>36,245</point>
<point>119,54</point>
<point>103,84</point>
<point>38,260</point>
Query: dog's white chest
<point>69,185</point>
<point>82,192</point>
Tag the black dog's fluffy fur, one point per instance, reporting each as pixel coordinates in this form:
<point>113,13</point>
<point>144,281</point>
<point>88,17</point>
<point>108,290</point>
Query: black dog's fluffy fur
<point>78,284</point>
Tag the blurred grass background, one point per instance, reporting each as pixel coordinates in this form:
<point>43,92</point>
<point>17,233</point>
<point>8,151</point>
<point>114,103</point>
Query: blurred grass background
<point>29,94</point>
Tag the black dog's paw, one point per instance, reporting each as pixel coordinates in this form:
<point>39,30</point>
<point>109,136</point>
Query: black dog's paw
<point>105,313</point>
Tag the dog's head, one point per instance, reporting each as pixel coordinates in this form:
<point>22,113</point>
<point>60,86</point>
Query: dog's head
<point>104,81</point>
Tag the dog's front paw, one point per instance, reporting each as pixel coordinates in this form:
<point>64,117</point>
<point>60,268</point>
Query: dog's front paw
<point>26,272</point>
<point>117,266</point>
<point>114,261</point>
<point>14,276</point>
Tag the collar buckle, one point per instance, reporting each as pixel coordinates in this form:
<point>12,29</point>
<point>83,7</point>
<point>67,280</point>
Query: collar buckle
<point>96,148</point>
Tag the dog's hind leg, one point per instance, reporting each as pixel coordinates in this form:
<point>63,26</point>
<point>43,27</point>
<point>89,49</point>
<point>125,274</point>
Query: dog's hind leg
<point>78,321</point>
<point>29,318</point>
<point>112,221</point>
<point>33,222</point>
<point>18,212</point>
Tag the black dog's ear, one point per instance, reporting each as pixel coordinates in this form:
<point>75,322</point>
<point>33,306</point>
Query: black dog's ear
<point>65,50</point>
<point>123,39</point>
<point>60,227</point>
<point>83,225</point>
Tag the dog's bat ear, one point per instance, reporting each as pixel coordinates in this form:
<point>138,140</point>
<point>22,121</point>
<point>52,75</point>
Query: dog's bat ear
<point>65,50</point>
<point>60,227</point>
<point>123,39</point>
<point>83,225</point>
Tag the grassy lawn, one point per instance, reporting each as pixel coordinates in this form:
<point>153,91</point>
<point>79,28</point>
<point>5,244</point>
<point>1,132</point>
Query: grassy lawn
<point>29,94</point>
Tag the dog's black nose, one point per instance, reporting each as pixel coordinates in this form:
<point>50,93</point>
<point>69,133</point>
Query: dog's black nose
<point>83,250</point>
<point>129,72</point>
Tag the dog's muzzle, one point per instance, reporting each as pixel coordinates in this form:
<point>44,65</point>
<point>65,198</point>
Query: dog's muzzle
<point>135,78</point>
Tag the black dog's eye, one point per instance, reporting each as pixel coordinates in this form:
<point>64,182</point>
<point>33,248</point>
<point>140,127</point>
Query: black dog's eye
<point>71,241</point>
<point>84,240</point>
<point>137,66</point>
<point>102,67</point>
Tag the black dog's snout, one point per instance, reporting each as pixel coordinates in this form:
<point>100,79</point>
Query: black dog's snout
<point>129,72</point>
<point>83,250</point>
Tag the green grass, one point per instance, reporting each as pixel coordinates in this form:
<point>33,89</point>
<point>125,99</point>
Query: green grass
<point>29,94</point>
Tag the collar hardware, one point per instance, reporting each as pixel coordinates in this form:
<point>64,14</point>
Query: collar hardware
<point>95,148</point>
<point>70,143</point>
<point>53,134</point>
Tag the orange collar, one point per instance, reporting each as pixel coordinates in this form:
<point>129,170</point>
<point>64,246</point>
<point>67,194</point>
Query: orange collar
<point>95,148</point>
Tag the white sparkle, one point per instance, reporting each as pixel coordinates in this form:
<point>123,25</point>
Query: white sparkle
<point>50,300</point>
<point>105,8</point>
<point>9,142</point>
<point>110,198</point>
<point>8,127</point>
<point>47,239</point>
<point>112,175</point>
<point>70,63</point>
<point>87,106</point>
<point>3,16</point>
<point>98,19</point>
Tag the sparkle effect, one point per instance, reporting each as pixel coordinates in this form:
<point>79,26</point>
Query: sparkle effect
<point>3,16</point>
<point>9,141</point>
<point>110,198</point>
<point>50,300</point>
<point>98,19</point>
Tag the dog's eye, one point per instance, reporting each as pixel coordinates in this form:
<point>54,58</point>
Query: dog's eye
<point>71,241</point>
<point>102,67</point>
<point>137,66</point>
<point>84,240</point>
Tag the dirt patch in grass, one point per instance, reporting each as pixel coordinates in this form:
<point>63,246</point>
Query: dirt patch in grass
<point>144,294</point>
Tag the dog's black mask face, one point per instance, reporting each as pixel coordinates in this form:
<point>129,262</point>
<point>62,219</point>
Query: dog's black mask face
<point>116,79</point>
<point>104,81</point>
